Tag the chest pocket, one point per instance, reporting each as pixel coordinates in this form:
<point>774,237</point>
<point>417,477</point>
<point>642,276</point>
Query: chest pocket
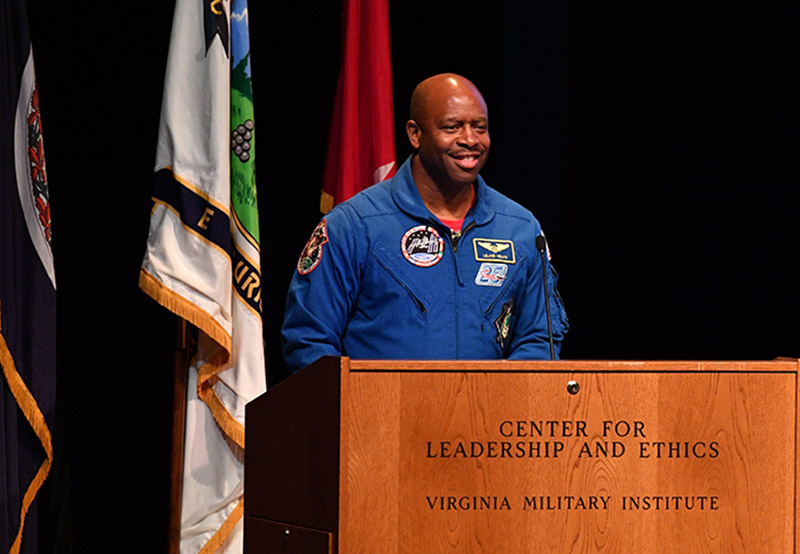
<point>489,296</point>
<point>396,278</point>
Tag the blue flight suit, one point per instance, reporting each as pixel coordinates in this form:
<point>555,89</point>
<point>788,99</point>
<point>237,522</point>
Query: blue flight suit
<point>382,278</point>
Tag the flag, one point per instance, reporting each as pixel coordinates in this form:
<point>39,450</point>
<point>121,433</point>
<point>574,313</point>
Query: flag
<point>202,260</point>
<point>361,139</point>
<point>27,290</point>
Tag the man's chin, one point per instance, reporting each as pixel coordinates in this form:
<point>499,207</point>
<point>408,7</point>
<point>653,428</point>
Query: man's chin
<point>463,179</point>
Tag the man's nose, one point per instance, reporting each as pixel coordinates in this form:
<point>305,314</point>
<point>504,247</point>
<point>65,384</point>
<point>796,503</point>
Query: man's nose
<point>468,136</point>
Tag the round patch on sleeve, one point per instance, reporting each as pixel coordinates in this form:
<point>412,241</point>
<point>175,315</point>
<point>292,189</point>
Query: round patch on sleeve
<point>312,253</point>
<point>422,246</point>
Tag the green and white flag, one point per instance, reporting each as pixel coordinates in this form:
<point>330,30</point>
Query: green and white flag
<point>202,260</point>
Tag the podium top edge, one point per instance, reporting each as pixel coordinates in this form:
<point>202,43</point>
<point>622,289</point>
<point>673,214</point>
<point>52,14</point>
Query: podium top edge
<point>782,365</point>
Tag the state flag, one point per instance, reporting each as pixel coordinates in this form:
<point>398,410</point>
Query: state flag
<point>27,291</point>
<point>203,259</point>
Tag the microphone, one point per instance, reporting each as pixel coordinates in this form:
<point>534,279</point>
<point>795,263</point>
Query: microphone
<point>541,246</point>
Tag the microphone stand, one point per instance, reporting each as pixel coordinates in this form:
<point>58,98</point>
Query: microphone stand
<point>541,246</point>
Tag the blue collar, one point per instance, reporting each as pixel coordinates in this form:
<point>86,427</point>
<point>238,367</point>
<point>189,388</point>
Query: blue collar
<point>408,199</point>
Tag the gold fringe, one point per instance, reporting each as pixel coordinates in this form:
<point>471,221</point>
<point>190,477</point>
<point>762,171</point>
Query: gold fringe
<point>229,425</point>
<point>30,408</point>
<point>183,308</point>
<point>232,430</point>
<point>187,229</point>
<point>207,377</point>
<point>325,202</point>
<point>222,533</point>
<point>199,191</point>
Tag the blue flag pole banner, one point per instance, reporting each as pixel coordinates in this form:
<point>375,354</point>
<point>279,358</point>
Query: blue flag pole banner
<point>202,260</point>
<point>27,290</point>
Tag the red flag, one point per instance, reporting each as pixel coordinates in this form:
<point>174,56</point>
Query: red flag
<point>361,139</point>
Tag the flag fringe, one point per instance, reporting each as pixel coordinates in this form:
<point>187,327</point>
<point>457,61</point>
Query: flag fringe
<point>30,408</point>
<point>185,309</point>
<point>222,533</point>
<point>206,379</point>
<point>326,202</point>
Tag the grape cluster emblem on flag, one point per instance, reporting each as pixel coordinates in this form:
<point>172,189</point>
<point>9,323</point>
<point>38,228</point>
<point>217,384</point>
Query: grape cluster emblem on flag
<point>241,138</point>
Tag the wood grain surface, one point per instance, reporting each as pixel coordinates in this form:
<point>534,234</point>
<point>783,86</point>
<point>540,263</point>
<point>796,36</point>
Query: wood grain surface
<point>647,457</point>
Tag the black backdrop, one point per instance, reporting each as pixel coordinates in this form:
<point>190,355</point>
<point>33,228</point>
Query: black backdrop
<point>655,141</point>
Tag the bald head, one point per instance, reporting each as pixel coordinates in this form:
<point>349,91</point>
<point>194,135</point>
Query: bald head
<point>449,132</point>
<point>434,90</point>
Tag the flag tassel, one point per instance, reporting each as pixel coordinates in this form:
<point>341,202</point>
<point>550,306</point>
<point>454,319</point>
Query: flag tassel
<point>30,408</point>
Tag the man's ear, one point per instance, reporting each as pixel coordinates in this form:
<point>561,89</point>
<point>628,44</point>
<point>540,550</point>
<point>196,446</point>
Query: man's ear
<point>413,131</point>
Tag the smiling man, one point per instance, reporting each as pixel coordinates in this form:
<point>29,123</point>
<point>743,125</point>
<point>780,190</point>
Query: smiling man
<point>431,264</point>
<point>449,130</point>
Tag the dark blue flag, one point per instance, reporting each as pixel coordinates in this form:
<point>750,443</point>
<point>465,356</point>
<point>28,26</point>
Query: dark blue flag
<point>27,290</point>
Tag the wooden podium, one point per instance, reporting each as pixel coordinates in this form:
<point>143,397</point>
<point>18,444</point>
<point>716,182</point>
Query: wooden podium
<point>499,457</point>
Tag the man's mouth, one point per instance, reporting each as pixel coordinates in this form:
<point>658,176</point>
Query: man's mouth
<point>467,160</point>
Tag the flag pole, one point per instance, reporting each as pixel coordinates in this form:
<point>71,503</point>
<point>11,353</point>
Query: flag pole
<point>181,378</point>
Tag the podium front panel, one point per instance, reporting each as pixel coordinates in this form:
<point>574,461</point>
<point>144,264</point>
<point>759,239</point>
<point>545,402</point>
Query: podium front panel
<point>555,457</point>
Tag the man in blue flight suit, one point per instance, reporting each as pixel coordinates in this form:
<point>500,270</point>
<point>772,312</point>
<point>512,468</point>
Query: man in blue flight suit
<point>431,264</point>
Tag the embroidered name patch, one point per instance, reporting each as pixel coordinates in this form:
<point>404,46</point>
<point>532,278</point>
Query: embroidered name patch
<point>312,253</point>
<point>422,246</point>
<point>491,275</point>
<point>494,250</point>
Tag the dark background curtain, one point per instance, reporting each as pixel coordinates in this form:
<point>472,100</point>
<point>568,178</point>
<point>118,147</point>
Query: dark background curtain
<point>656,143</point>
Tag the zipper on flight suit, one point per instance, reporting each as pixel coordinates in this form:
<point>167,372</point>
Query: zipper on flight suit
<point>414,297</point>
<point>455,236</point>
